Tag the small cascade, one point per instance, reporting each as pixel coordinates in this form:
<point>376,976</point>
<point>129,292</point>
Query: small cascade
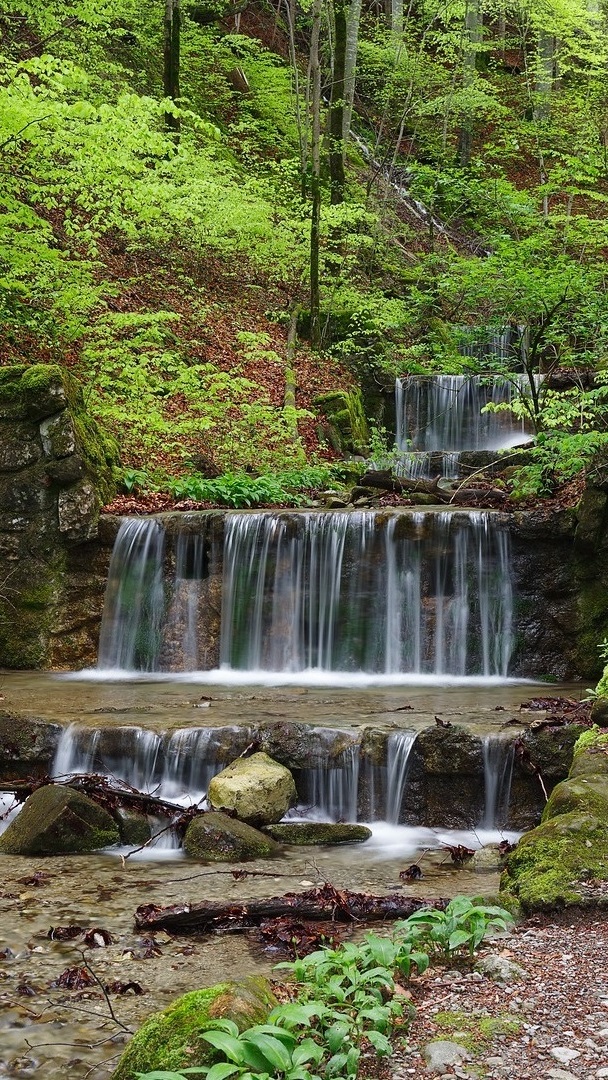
<point>367,592</point>
<point>399,748</point>
<point>444,413</point>
<point>134,605</point>
<point>330,793</point>
<point>176,767</point>
<point>498,760</point>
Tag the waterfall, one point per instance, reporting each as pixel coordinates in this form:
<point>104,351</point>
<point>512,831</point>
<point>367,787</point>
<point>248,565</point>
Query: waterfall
<point>176,766</point>
<point>331,792</point>
<point>134,602</point>
<point>371,592</point>
<point>399,748</point>
<point>498,759</point>
<point>444,413</point>
<point>366,592</point>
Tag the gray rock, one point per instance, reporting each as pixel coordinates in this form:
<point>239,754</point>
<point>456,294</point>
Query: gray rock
<point>76,512</point>
<point>561,1074</point>
<point>564,1054</point>
<point>58,435</point>
<point>257,789</point>
<point>500,970</point>
<point>488,858</point>
<point>215,837</point>
<point>442,1055</point>
<point>57,820</point>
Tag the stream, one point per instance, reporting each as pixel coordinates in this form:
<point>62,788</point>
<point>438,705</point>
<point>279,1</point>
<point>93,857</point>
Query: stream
<point>51,1030</point>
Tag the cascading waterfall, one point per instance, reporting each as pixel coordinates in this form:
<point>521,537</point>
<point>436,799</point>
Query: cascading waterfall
<point>366,592</point>
<point>498,760</point>
<point>398,752</point>
<point>176,766</point>
<point>422,593</point>
<point>330,793</point>
<point>444,413</point>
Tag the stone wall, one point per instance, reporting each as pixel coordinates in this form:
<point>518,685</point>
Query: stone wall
<point>55,474</point>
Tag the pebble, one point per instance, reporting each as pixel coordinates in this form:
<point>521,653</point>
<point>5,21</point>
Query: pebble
<point>500,969</point>
<point>602,1073</point>
<point>560,1074</point>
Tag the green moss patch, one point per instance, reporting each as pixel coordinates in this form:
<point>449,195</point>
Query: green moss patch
<point>172,1039</point>
<point>475,1031</point>
<point>548,865</point>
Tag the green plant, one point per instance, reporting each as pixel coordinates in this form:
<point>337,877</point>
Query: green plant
<point>463,925</point>
<point>133,480</point>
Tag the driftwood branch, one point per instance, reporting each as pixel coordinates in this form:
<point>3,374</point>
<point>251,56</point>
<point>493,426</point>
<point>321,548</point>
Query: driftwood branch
<point>442,491</point>
<point>323,903</point>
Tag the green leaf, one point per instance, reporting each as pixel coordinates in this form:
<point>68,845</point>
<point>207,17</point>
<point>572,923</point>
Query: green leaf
<point>270,1048</point>
<point>231,1047</point>
<point>222,1070</point>
<point>307,1050</point>
<point>336,1034</point>
<point>457,939</point>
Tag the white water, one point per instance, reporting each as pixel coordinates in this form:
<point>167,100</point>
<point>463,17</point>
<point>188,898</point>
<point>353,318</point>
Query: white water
<point>498,760</point>
<point>444,413</point>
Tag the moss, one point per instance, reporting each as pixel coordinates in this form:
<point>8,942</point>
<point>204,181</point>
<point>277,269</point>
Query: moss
<point>215,837</point>
<point>344,413</point>
<point>587,794</point>
<point>549,862</point>
<point>172,1039</point>
<point>318,832</point>
<point>475,1031</point>
<point>57,820</point>
<point>591,737</point>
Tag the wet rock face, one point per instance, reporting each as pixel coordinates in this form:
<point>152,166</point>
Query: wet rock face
<point>59,821</point>
<point>55,474</point>
<point>257,789</point>
<point>317,832</point>
<point>445,781</point>
<point>27,746</point>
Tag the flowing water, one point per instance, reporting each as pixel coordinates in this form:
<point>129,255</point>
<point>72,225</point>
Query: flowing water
<point>443,415</point>
<point>335,594</point>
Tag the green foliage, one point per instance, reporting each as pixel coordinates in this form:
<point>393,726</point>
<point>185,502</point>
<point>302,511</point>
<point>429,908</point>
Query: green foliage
<point>239,490</point>
<point>462,926</point>
<point>345,994</point>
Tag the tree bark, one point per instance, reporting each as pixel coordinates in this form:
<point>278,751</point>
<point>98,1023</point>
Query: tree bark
<point>353,19</point>
<point>337,105</point>
<point>322,903</point>
<point>473,22</point>
<point>315,183</point>
<point>171,50</point>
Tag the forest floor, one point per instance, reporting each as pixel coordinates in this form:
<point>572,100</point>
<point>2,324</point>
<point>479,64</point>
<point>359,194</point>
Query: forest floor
<point>551,1021</point>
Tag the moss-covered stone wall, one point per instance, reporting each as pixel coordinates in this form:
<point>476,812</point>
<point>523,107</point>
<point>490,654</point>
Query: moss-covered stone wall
<point>56,472</point>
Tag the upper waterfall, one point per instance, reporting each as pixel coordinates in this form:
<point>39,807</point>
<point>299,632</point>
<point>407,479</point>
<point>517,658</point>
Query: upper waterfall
<point>372,592</point>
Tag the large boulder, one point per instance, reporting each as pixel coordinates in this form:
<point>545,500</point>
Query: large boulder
<point>57,820</point>
<point>215,837</point>
<point>561,861</point>
<point>257,789</point>
<point>172,1039</point>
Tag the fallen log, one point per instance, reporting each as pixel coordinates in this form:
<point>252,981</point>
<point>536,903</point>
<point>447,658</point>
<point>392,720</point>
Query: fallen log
<point>386,481</point>
<point>323,903</point>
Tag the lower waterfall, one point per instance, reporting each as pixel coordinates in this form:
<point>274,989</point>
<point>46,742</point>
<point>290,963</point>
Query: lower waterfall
<point>380,593</point>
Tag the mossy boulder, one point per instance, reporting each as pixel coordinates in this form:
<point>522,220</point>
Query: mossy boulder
<point>172,1039</point>
<point>58,820</point>
<point>552,863</point>
<point>134,828</point>
<point>347,428</point>
<point>215,837</point>
<point>257,789</point>
<point>317,832</point>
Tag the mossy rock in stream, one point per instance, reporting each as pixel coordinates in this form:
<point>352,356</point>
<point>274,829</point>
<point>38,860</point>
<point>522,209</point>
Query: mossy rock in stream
<point>257,789</point>
<point>318,832</point>
<point>172,1039</point>
<point>215,837</point>
<point>345,417</point>
<point>58,820</point>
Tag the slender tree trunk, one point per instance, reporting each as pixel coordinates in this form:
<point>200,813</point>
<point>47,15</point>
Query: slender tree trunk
<point>336,105</point>
<point>472,37</point>
<point>353,19</point>
<point>315,182</point>
<point>397,16</point>
<point>171,58</point>
<point>301,122</point>
<point>289,400</point>
<point>545,75</point>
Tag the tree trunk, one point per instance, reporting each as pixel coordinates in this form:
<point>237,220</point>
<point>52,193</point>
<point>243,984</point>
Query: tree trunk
<point>472,37</point>
<point>353,19</point>
<point>172,28</point>
<point>545,75</point>
<point>337,105</point>
<point>315,183</point>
